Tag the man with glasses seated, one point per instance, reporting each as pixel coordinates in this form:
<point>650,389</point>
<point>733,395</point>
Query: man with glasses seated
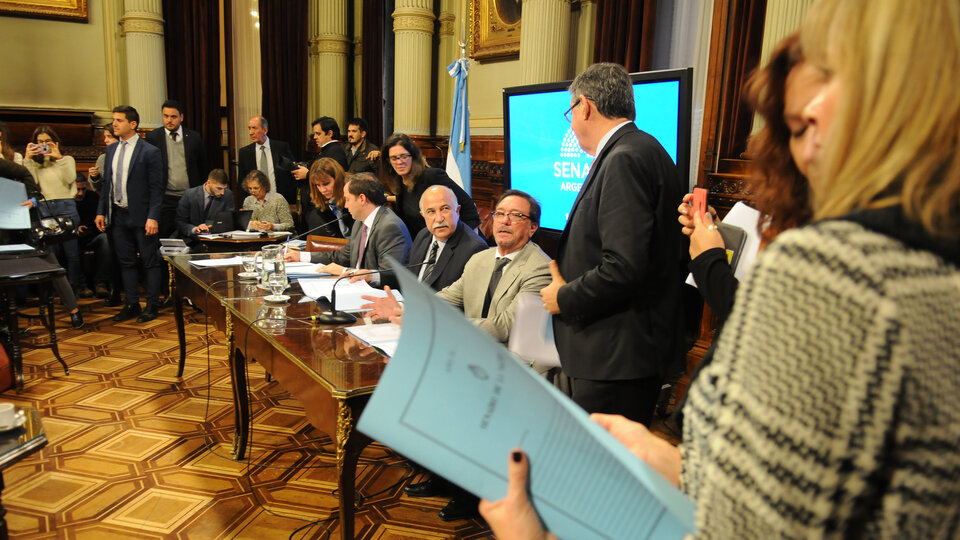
<point>487,292</point>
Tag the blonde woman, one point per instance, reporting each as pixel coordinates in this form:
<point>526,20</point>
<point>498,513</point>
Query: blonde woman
<point>326,192</point>
<point>831,406</point>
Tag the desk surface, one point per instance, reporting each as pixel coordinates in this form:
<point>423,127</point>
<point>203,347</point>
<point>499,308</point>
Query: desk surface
<point>22,441</point>
<point>326,354</point>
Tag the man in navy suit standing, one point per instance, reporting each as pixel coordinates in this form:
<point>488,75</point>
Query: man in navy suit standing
<point>130,203</point>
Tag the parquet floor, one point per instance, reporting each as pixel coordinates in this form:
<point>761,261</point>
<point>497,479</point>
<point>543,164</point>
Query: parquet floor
<point>135,453</point>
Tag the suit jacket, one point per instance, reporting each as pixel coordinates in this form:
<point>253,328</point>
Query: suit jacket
<point>193,149</point>
<point>358,162</point>
<point>623,257</point>
<point>280,151</point>
<point>462,244</point>
<point>408,203</point>
<point>190,209</point>
<point>528,272</point>
<point>145,185</point>
<point>388,236</point>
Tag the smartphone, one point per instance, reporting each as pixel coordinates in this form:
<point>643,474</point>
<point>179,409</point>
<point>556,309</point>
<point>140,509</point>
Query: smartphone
<point>43,148</point>
<point>699,200</point>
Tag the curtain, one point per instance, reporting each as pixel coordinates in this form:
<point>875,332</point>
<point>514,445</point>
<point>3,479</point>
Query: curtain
<point>192,48</point>
<point>624,33</point>
<point>283,69</point>
<point>372,66</point>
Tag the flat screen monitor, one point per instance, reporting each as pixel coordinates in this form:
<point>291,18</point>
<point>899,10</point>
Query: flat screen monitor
<point>542,154</point>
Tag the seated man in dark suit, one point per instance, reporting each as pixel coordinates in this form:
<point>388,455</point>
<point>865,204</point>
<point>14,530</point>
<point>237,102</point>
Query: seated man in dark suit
<point>377,233</point>
<point>446,243</point>
<point>199,205</point>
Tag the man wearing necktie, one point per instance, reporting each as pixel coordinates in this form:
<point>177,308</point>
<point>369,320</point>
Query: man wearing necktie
<point>200,205</point>
<point>446,244</point>
<point>130,203</point>
<point>270,156</point>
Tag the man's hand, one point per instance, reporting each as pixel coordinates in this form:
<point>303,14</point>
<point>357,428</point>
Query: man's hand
<point>81,229</point>
<point>659,454</point>
<point>373,154</point>
<point>101,222</point>
<point>513,517</point>
<point>365,275</point>
<point>151,227</point>
<point>93,172</point>
<point>201,228</point>
<point>28,203</point>
<point>292,255</point>
<point>300,172</point>
<point>384,308</point>
<point>333,269</point>
<point>549,293</point>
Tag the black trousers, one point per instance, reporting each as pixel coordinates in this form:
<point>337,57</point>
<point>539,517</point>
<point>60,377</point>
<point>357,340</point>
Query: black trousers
<point>128,239</point>
<point>635,399</point>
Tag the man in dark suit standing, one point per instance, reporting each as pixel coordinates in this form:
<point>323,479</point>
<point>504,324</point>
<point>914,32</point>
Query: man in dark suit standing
<point>199,205</point>
<point>130,203</point>
<point>376,234</point>
<point>446,243</point>
<point>326,137</point>
<point>184,161</point>
<point>616,289</point>
<point>271,156</point>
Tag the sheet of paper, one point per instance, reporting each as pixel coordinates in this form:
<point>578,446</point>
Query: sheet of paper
<point>210,263</point>
<point>16,248</point>
<point>12,215</point>
<point>531,337</point>
<point>453,399</point>
<point>349,295</point>
<point>304,269</point>
<point>382,336</point>
<point>746,218</point>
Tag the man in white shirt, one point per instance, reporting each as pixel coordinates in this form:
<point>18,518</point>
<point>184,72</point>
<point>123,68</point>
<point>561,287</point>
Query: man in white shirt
<point>271,156</point>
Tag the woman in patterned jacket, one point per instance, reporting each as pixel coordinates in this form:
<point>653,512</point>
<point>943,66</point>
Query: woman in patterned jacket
<point>831,405</point>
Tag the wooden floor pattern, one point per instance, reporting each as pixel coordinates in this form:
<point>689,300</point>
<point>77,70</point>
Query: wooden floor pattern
<point>135,453</point>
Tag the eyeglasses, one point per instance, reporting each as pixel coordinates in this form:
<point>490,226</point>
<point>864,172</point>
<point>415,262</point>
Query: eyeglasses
<point>514,216</point>
<point>569,114</point>
<point>399,158</point>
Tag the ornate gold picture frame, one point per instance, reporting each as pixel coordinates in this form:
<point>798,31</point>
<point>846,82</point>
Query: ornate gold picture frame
<point>69,10</point>
<point>494,28</point>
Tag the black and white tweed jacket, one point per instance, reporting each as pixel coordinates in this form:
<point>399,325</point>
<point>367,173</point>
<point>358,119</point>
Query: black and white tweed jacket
<point>832,405</point>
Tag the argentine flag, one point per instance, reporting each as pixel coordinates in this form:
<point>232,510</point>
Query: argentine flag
<point>458,156</point>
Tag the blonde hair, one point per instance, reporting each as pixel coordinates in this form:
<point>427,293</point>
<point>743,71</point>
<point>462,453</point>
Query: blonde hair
<point>895,134</point>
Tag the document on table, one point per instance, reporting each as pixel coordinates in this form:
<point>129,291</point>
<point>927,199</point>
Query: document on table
<point>12,215</point>
<point>210,263</point>
<point>382,336</point>
<point>16,248</point>
<point>453,399</point>
<point>746,218</point>
<point>349,295</point>
<point>304,269</point>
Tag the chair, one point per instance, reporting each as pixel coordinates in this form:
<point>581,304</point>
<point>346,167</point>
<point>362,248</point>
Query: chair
<point>316,242</point>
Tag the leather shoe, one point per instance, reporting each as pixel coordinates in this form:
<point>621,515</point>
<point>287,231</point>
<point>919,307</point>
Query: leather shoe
<point>101,291</point>
<point>149,314</point>
<point>76,320</point>
<point>128,312</point>
<point>84,292</point>
<point>431,487</point>
<point>460,507</point>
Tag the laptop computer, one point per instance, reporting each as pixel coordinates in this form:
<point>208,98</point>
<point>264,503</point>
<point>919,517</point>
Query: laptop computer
<point>228,220</point>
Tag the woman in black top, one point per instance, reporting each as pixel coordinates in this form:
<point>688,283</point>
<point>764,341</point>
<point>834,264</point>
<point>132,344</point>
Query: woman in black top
<point>326,192</point>
<point>404,172</point>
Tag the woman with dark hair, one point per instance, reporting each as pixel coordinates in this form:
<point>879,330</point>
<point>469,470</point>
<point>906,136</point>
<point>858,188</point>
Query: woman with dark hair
<point>403,171</point>
<point>6,148</point>
<point>326,193</point>
<point>271,212</point>
<point>93,173</point>
<point>778,93</point>
<point>56,175</point>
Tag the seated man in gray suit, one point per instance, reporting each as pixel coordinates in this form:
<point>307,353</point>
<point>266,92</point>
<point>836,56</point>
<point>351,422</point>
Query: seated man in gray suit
<point>487,292</point>
<point>199,205</point>
<point>446,243</point>
<point>376,233</point>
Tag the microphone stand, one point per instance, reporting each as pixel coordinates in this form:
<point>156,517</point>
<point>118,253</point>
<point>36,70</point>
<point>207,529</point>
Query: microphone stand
<point>341,317</point>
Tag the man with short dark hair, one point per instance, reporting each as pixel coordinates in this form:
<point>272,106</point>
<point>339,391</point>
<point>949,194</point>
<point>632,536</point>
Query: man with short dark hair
<point>200,205</point>
<point>362,155</point>
<point>130,203</point>
<point>616,288</point>
<point>376,234</point>
<point>184,161</point>
<point>326,138</point>
<point>271,156</point>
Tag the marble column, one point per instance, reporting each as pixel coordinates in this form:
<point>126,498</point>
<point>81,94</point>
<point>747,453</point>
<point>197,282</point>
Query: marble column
<point>544,37</point>
<point>327,65</point>
<point>448,52</point>
<point>586,33</point>
<point>357,61</point>
<point>247,88</point>
<point>142,28</point>
<point>413,22</point>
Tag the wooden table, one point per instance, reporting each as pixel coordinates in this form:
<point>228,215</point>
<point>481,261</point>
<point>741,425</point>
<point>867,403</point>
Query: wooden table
<point>219,245</point>
<point>17,444</point>
<point>320,366</point>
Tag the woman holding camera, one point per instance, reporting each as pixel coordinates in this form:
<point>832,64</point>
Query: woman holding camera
<point>56,175</point>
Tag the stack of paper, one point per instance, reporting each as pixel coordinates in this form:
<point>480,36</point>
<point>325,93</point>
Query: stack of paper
<point>210,263</point>
<point>349,295</point>
<point>382,336</point>
<point>304,269</point>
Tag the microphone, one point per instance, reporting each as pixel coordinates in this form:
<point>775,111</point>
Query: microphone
<point>341,317</point>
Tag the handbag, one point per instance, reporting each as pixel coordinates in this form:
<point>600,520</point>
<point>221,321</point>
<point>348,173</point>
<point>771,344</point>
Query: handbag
<point>51,230</point>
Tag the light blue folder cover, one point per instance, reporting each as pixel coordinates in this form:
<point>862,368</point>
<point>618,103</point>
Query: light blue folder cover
<point>455,400</point>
